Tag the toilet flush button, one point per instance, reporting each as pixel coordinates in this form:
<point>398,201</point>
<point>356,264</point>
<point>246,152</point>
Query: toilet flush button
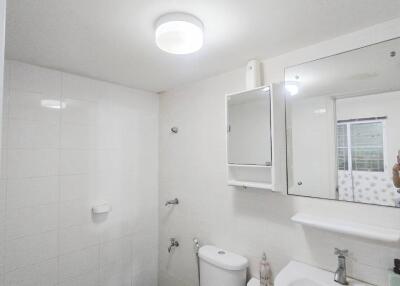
<point>221,252</point>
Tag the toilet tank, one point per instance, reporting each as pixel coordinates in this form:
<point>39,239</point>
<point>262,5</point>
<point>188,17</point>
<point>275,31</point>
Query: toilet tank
<point>219,267</point>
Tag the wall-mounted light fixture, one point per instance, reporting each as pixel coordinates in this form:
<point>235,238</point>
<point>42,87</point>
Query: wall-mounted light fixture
<point>179,33</point>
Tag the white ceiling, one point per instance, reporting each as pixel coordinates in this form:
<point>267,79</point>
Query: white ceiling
<point>113,40</point>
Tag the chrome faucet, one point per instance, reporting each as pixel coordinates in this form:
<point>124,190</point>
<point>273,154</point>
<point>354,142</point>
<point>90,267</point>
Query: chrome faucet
<point>340,274</point>
<point>172,202</point>
<point>196,243</point>
<point>173,243</point>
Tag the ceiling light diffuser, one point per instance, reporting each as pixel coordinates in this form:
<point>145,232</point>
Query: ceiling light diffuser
<point>179,33</point>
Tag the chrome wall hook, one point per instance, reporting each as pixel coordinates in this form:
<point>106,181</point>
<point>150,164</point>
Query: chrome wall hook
<point>172,202</point>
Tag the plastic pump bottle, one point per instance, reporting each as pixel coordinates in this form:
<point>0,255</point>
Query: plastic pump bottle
<point>265,270</point>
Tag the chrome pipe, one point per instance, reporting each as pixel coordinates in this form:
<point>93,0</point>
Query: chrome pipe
<point>196,242</point>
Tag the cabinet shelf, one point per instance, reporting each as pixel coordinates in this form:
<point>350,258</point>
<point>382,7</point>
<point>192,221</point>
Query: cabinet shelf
<point>248,184</point>
<point>249,166</point>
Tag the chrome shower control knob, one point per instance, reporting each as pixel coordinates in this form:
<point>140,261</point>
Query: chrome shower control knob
<point>173,243</point>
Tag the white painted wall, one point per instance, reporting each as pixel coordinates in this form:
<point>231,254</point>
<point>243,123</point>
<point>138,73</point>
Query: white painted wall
<point>59,162</point>
<point>193,168</point>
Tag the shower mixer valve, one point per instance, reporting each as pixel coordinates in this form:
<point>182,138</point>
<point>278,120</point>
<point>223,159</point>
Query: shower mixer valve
<point>173,244</point>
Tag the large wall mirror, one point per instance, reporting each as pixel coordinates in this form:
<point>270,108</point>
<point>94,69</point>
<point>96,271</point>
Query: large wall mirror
<point>343,126</point>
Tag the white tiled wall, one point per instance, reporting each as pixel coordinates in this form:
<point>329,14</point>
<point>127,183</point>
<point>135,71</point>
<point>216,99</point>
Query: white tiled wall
<point>193,168</point>
<point>103,146</point>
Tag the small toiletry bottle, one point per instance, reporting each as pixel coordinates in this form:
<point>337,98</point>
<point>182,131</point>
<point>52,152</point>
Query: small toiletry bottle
<point>397,202</point>
<point>265,270</point>
<point>394,276</point>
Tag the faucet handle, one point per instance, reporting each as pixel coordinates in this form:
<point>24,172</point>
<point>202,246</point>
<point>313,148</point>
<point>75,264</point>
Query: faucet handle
<point>341,252</point>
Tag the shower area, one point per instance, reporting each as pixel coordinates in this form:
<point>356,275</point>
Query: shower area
<point>79,181</point>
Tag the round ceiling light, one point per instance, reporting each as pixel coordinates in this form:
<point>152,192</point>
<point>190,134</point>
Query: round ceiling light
<point>179,33</point>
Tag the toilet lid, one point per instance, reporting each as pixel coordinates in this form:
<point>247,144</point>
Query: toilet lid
<point>222,258</point>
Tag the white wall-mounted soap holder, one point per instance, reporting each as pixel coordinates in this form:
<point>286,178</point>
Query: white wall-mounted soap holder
<point>101,208</point>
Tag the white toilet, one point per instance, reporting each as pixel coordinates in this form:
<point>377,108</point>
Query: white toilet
<point>219,267</point>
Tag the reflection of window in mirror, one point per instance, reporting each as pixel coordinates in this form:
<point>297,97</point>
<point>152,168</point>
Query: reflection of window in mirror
<point>360,145</point>
<point>367,144</point>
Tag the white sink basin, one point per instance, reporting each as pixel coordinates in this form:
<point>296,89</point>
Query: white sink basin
<point>304,282</point>
<point>300,274</point>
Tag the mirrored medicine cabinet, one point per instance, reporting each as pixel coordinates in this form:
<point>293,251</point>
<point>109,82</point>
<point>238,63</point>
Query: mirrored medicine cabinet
<point>343,126</point>
<point>250,138</point>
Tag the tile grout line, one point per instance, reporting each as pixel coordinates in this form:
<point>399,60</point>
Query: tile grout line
<point>58,180</point>
<point>95,193</point>
<point>4,171</point>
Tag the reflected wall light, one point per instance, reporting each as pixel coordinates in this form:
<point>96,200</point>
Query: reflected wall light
<point>53,104</point>
<point>292,88</point>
